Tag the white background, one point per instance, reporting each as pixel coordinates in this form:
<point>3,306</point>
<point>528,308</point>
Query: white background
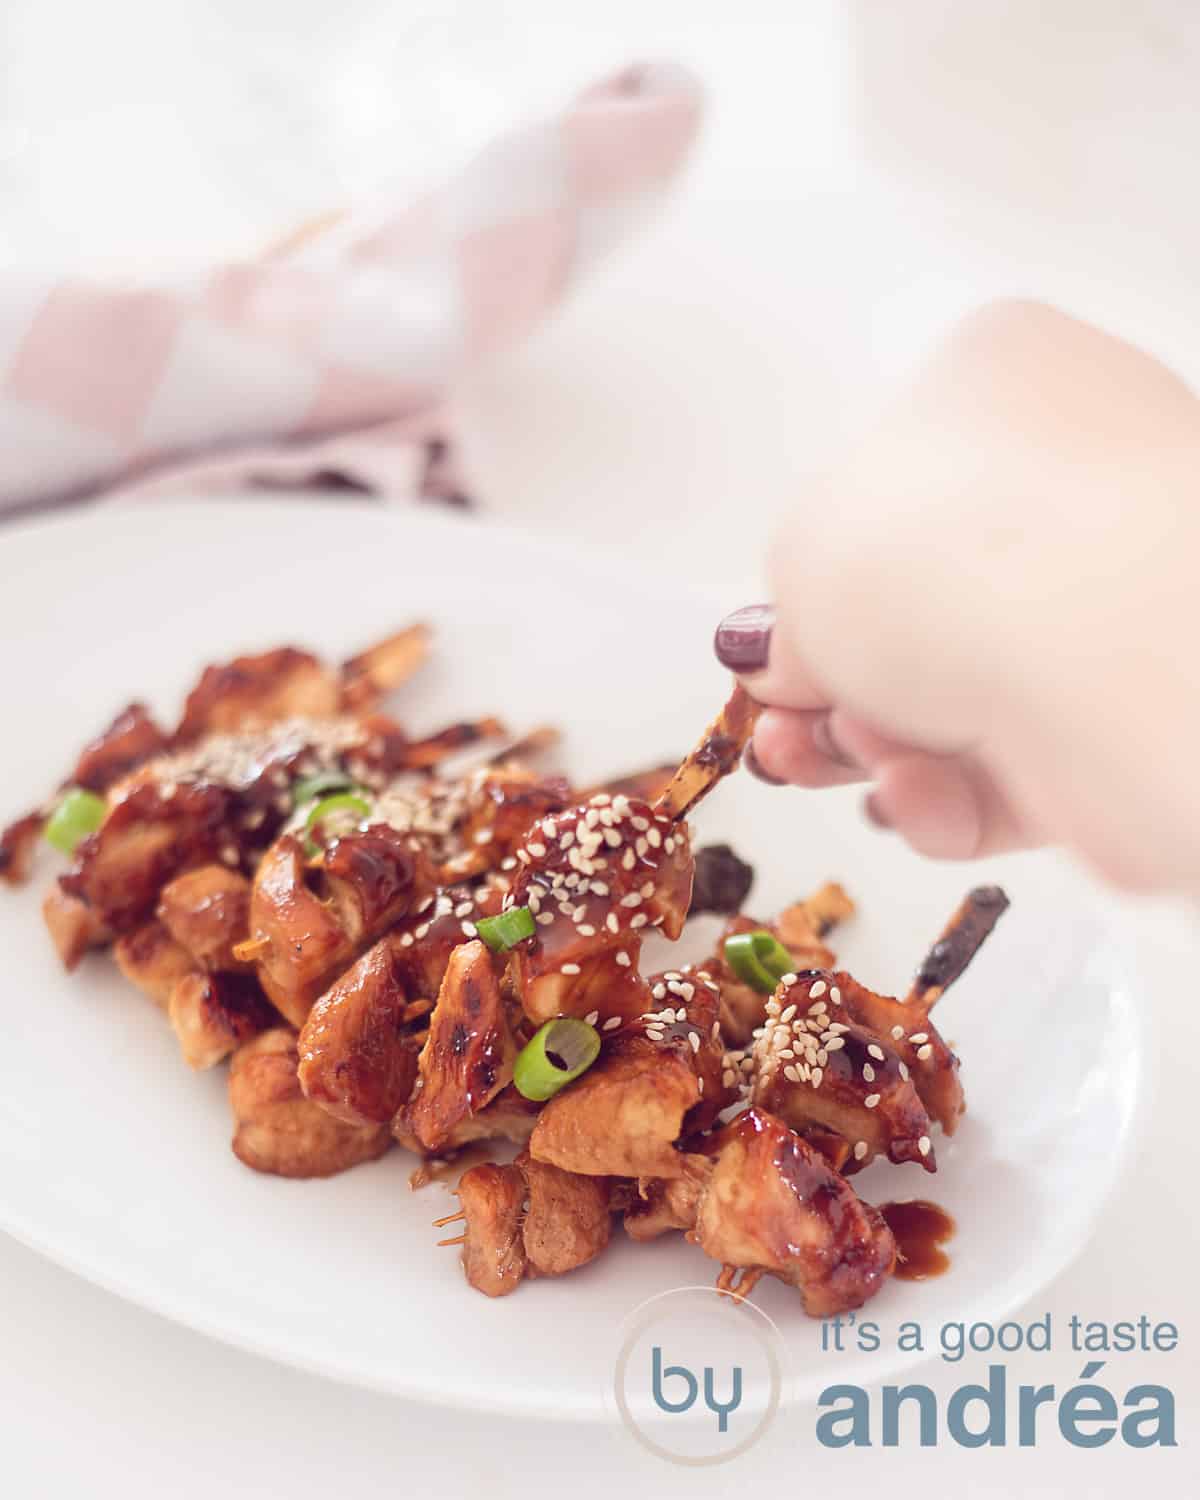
<point>869,170</point>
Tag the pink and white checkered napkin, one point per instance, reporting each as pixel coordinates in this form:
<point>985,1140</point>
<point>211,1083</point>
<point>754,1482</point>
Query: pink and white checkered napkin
<point>330,364</point>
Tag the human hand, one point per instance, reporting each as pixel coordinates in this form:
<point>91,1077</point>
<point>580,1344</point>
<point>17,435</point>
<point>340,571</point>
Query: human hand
<point>991,609</point>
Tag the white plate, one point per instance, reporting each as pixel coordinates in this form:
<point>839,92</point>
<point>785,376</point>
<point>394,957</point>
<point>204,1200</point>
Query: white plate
<point>115,1159</point>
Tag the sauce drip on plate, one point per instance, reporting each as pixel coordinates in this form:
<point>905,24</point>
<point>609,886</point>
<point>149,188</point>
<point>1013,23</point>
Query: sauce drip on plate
<point>921,1228</point>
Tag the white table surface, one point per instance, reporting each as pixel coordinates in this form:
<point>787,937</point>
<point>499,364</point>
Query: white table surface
<point>864,178</point>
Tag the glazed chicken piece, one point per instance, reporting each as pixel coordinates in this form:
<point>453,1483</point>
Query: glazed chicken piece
<point>358,1051</point>
<point>18,845</point>
<point>813,1065</point>
<point>906,1023</point>
<point>251,692</point>
<point>567,1222</point>
<point>358,1046</point>
<point>150,958</point>
<point>129,741</point>
<point>74,928</point>
<point>773,1205</point>
<point>502,804</point>
<point>212,1014</point>
<point>528,1219</point>
<point>655,1082</point>
<point>149,836</point>
<point>469,1051</point>
<point>661,1204</point>
<point>492,1199</point>
<point>801,929</point>
<point>207,911</point>
<point>277,1129</point>
<point>295,936</point>
<point>595,877</point>
<point>509,1117</point>
<point>373,877</point>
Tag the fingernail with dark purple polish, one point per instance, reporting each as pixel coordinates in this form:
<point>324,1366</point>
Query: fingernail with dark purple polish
<point>874,813</point>
<point>743,639</point>
<point>752,764</point>
<point>822,737</point>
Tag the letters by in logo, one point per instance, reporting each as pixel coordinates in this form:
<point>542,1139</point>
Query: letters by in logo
<point>697,1380</point>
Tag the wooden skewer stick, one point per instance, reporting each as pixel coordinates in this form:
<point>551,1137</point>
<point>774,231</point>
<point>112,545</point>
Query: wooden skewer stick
<point>960,941</point>
<point>449,1218</point>
<point>715,756</point>
<point>458,1240</point>
<point>249,951</point>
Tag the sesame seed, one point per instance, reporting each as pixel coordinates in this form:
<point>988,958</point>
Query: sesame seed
<point>591,1018</point>
<point>523,856</point>
<point>668,844</point>
<point>623,959</point>
<point>816,1076</point>
<point>611,922</point>
<point>656,1033</point>
<point>422,931</point>
<point>903,1071</point>
<point>791,1074</point>
<point>875,1051</point>
<point>700,1086</point>
<point>544,918</point>
<point>569,969</point>
<point>817,990</point>
<point>538,850</point>
<point>463,908</point>
<point>835,995</point>
<point>897,1033</point>
<point>918,1037</point>
<point>925,1052</point>
<point>835,1044</point>
<point>634,898</point>
<point>612,838</point>
<point>566,838</point>
<point>469,929</point>
<point>659,992</point>
<point>868,1073</point>
<point>484,835</point>
<point>639,920</point>
<point>728,1078</point>
<point>872,1100</point>
<point>601,799</point>
<point>598,888</point>
<point>406,940</point>
<point>924,1145</point>
<point>860,1150</point>
<point>788,1013</point>
<point>611,1024</point>
<point>694,1040</point>
<point>653,838</point>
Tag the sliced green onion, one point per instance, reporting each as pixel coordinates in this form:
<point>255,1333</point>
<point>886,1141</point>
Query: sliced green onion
<point>507,930</point>
<point>556,1056</point>
<point>758,959</point>
<point>345,809</point>
<point>309,787</point>
<point>78,814</point>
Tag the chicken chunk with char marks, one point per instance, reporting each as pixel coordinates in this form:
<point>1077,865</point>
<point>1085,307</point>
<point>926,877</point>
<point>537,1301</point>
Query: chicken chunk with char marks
<point>278,1130</point>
